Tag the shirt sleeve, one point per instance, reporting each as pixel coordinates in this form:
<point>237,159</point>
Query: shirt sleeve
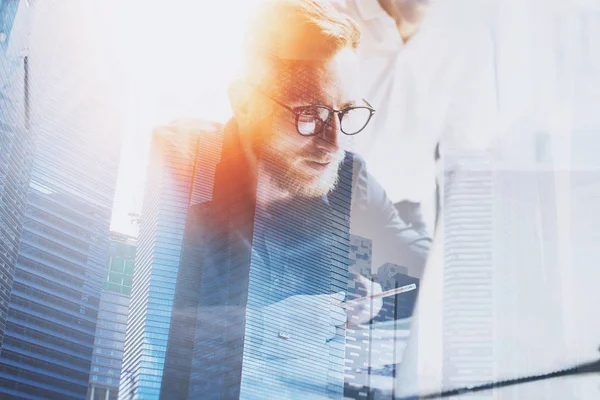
<point>472,114</point>
<point>374,217</point>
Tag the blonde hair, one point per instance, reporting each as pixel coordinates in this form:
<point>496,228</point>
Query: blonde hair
<point>284,41</point>
<point>287,34</point>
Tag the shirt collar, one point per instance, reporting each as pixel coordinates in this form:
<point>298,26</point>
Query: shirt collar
<point>370,9</point>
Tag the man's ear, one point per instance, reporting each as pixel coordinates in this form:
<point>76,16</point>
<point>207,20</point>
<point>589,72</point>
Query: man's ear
<point>250,107</point>
<point>251,111</point>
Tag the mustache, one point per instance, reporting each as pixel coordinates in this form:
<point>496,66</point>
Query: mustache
<point>321,156</point>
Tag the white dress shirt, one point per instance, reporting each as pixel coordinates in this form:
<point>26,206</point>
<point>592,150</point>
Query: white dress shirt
<point>440,85</point>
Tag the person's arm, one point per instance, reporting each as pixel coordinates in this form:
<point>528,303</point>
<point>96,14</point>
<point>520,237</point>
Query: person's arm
<point>374,217</point>
<point>472,115</point>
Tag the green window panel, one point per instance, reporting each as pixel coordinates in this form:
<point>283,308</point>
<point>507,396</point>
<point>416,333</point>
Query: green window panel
<point>117,264</point>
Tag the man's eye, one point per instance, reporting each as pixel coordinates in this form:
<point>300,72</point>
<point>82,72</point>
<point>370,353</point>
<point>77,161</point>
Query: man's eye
<point>307,125</point>
<point>305,117</point>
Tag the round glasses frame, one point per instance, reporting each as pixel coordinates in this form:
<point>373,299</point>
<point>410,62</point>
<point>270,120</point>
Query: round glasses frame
<point>297,111</point>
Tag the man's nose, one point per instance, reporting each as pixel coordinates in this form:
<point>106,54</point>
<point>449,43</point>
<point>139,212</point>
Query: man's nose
<point>330,135</point>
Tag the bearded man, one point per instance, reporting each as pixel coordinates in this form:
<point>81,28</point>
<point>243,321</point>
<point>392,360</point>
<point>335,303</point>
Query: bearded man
<point>272,248</point>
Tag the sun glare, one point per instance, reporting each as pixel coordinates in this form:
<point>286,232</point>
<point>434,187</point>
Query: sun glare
<point>179,57</point>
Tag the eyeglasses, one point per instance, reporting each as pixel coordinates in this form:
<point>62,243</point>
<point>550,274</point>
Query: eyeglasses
<point>312,119</point>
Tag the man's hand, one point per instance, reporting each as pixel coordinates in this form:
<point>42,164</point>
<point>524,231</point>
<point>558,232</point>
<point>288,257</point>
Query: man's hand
<point>300,326</point>
<point>363,311</point>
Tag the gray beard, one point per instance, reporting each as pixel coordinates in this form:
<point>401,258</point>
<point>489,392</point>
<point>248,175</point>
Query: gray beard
<point>286,177</point>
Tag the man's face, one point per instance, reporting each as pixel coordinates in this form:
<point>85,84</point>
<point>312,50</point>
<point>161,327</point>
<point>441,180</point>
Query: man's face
<point>308,166</point>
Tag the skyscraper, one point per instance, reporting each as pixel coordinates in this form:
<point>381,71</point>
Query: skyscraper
<point>468,352</point>
<point>112,319</point>
<point>16,140</point>
<point>164,352</point>
<point>172,186</point>
<point>51,323</point>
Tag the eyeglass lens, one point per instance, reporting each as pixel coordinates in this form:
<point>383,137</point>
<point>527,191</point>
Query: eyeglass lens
<point>312,119</point>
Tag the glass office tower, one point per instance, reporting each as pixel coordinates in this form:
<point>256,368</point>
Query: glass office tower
<point>16,140</point>
<point>112,319</point>
<point>51,323</point>
<point>468,357</point>
<point>172,185</point>
<point>54,305</point>
<point>166,351</point>
<point>212,268</point>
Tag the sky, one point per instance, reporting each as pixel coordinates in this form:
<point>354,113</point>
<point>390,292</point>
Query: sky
<point>178,62</point>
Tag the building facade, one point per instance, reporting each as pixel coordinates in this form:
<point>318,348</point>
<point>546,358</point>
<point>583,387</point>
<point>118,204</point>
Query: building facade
<point>468,319</point>
<point>167,346</point>
<point>51,324</point>
<point>172,186</point>
<point>54,305</point>
<point>112,319</point>
<point>16,140</point>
